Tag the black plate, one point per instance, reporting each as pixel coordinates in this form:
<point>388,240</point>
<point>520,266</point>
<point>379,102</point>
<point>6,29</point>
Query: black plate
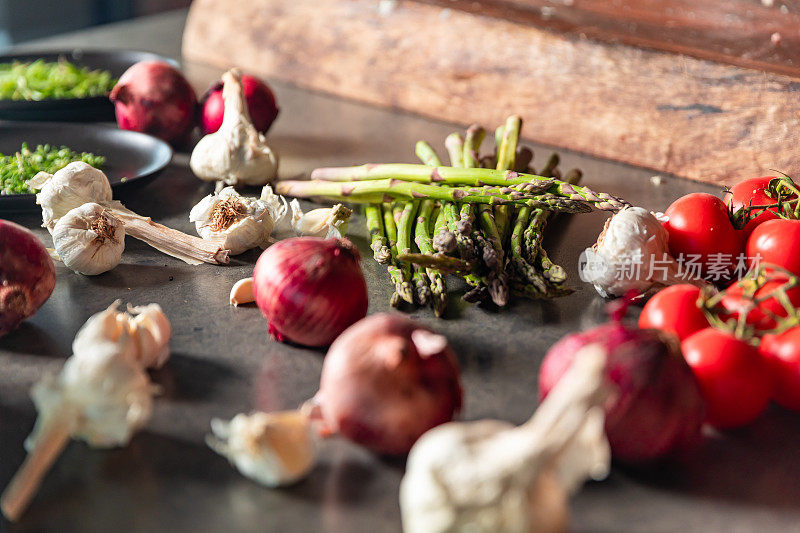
<point>136,157</point>
<point>74,109</point>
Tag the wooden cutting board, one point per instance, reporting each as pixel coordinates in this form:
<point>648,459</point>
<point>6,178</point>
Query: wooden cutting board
<point>709,92</point>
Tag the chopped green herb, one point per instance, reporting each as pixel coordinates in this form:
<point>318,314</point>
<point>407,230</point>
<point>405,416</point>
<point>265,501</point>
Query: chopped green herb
<point>17,169</point>
<point>47,80</point>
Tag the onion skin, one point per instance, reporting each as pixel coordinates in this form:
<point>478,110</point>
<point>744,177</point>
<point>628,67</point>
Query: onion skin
<point>659,409</point>
<point>154,97</point>
<point>261,105</point>
<point>27,275</point>
<point>379,391</point>
<point>310,289</point>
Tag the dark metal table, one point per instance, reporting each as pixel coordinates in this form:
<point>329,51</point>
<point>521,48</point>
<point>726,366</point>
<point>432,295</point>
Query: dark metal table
<point>223,363</point>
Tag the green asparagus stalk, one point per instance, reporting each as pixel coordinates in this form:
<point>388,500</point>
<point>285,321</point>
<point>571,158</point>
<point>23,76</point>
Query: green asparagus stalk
<point>427,154</point>
<point>525,269</point>
<point>424,242</point>
<point>523,159</point>
<point>533,234</point>
<point>550,166</point>
<point>421,284</point>
<point>378,243</point>
<point>454,144</point>
<point>366,191</point>
<point>461,176</point>
<point>472,146</point>
<point>404,216</point>
<point>402,284</point>
<point>507,150</point>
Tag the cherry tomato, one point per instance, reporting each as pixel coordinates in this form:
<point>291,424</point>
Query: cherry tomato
<point>751,192</point>
<point>674,310</point>
<point>783,354</point>
<point>735,302</point>
<point>699,225</point>
<point>776,242</point>
<point>734,378</point>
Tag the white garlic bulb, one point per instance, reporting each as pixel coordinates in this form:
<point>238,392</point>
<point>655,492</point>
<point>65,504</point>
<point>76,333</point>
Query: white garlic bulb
<point>243,222</point>
<point>274,449</point>
<point>147,326</point>
<point>70,187</point>
<point>489,476</point>
<point>632,253</point>
<point>89,239</point>
<point>325,222</point>
<point>236,154</point>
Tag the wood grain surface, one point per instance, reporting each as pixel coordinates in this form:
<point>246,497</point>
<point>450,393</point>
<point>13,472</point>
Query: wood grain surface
<point>673,113</point>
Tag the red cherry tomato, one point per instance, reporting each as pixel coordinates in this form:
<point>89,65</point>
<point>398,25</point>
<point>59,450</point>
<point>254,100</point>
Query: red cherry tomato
<point>783,354</point>
<point>751,192</point>
<point>735,302</point>
<point>674,310</point>
<point>699,225</point>
<point>776,242</point>
<point>734,379</point>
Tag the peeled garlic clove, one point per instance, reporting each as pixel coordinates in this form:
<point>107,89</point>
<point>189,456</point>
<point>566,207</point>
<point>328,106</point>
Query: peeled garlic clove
<point>273,449</point>
<point>70,187</point>
<point>242,292</point>
<point>237,153</point>
<point>243,222</point>
<point>325,222</point>
<point>89,239</point>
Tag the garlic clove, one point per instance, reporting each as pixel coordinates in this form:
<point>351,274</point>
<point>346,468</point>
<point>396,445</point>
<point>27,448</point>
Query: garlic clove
<point>242,292</point>
<point>325,222</point>
<point>274,449</point>
<point>151,331</point>
<point>89,239</point>
<point>237,153</point>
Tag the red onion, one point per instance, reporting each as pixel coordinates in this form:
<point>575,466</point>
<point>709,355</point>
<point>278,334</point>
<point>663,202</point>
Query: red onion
<point>387,380</point>
<point>27,275</point>
<point>310,289</point>
<point>260,99</point>
<point>153,97</point>
<point>658,410</point>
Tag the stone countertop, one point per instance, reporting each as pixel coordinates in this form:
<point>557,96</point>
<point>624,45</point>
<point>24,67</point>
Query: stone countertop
<point>223,362</point>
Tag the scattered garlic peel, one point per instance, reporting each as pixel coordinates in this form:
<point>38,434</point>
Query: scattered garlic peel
<point>242,292</point>
<point>274,449</point>
<point>490,476</point>
<point>236,154</point>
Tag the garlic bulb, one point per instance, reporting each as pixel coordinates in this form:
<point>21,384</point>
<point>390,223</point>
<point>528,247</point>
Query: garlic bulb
<point>79,183</point>
<point>237,153</point>
<point>326,222</point>
<point>632,253</point>
<point>89,239</point>
<point>273,449</point>
<point>240,222</point>
<point>102,395</point>
<point>489,476</point>
<point>70,187</point>
<point>146,325</point>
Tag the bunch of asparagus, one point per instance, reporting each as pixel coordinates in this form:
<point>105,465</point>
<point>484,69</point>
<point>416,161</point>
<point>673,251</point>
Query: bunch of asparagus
<point>482,217</point>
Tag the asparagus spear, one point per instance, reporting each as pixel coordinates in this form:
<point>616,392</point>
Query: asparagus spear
<point>472,145</point>
<point>507,149</point>
<point>404,216</point>
<point>421,284</point>
<point>455,149</point>
<point>402,284</point>
<point>551,165</point>
<point>352,192</point>
<point>464,176</point>
<point>427,155</point>
<point>380,250</point>
<point>525,269</point>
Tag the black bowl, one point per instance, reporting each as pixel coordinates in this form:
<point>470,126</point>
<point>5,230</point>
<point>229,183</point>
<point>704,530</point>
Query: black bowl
<point>132,158</point>
<point>74,109</point>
